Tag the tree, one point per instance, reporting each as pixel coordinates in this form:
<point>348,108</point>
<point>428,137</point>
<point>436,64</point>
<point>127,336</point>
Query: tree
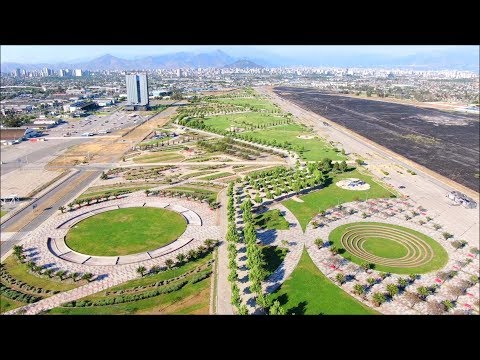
<point>443,275</point>
<point>343,165</point>
<point>87,276</point>
<point>18,250</point>
<point>437,226</point>
<point>392,290</point>
<point>447,235</point>
<point>412,298</point>
<point>475,251</point>
<point>333,249</point>
<point>371,281</point>
<point>169,263</point>
<point>276,309</point>
<point>191,254</point>
<point>358,289</point>
<point>340,278</point>
<point>366,266</point>
<point>402,283</point>
<point>448,305</point>
<point>104,176</point>
<point>141,270</point>
<point>319,242</point>
<point>243,310</point>
<point>147,192</point>
<point>378,298</point>
<point>423,292</point>
<point>62,209</point>
<point>209,243</point>
<point>180,258</point>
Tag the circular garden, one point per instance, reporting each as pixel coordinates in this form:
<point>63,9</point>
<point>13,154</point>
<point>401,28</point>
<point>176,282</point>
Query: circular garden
<point>389,248</point>
<point>126,231</point>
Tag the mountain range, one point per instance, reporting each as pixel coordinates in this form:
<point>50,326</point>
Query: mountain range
<point>439,60</point>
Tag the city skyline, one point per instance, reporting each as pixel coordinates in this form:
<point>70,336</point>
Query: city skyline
<point>309,55</point>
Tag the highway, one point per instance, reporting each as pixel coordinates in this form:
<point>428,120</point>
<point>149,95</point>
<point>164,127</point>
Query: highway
<point>71,191</point>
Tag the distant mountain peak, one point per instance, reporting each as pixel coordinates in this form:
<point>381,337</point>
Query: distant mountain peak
<point>243,64</point>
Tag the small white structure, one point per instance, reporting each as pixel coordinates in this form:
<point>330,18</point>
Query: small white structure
<point>353,184</point>
<point>461,199</point>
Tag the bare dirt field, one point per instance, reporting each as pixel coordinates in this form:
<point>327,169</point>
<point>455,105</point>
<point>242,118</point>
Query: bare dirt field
<point>444,142</point>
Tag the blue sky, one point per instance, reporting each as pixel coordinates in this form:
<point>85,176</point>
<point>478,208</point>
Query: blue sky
<point>69,53</point>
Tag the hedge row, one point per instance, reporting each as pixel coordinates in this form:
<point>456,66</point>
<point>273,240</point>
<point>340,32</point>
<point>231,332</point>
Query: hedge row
<point>10,280</point>
<point>17,295</point>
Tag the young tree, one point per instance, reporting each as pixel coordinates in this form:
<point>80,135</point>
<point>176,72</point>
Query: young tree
<point>423,292</point>
<point>141,270</point>
<point>392,290</point>
<point>340,278</point>
<point>447,235</point>
<point>412,298</point>
<point>87,276</point>
<point>276,309</point>
<point>180,258</point>
<point>378,298</point>
<point>319,242</point>
<point>358,289</point>
<point>169,263</point>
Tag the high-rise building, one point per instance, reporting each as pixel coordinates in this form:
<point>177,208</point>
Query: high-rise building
<point>78,72</point>
<point>137,89</point>
<point>17,73</point>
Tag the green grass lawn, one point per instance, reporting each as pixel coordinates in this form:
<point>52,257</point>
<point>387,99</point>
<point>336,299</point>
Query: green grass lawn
<point>216,176</point>
<point>195,174</point>
<point>160,156</point>
<point>271,219</point>
<point>191,299</point>
<point>331,195</point>
<point>384,248</point>
<point>20,272</point>
<point>89,193</point>
<point>307,291</point>
<point>390,249</point>
<point>223,122</point>
<point>254,103</point>
<point>314,149</point>
<point>273,256</point>
<point>126,231</point>
<point>3,212</point>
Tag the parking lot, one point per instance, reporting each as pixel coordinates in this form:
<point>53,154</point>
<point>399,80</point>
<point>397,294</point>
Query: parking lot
<point>95,124</point>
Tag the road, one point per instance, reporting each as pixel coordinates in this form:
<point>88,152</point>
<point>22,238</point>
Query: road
<point>67,192</point>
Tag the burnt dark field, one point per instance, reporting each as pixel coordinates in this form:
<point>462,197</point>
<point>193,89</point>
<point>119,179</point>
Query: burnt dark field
<point>444,142</point>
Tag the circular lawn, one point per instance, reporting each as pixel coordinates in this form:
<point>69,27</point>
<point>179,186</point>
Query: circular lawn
<point>126,231</point>
<point>390,248</point>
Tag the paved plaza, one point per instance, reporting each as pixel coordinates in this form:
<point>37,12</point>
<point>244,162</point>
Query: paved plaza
<point>107,274</point>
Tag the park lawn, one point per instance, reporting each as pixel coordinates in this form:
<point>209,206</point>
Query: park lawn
<point>254,103</point>
<point>216,176</point>
<point>7,304</point>
<point>439,260</point>
<point>3,212</point>
<point>314,149</point>
<point>156,141</point>
<point>177,302</point>
<point>332,194</point>
<point>308,292</point>
<point>191,299</point>
<point>160,156</point>
<point>384,248</point>
<point>89,194</point>
<point>223,122</point>
<point>196,190</point>
<point>271,219</point>
<point>126,231</point>
<point>20,272</point>
<point>273,256</point>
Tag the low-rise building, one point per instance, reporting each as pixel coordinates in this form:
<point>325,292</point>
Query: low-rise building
<point>16,135</point>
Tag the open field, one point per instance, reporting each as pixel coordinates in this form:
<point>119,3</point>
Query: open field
<point>160,156</point>
<point>331,195</point>
<point>308,292</point>
<point>216,176</point>
<point>103,190</point>
<point>391,248</point>
<point>312,149</point>
<point>253,103</point>
<point>243,120</point>
<point>453,146</point>
<point>126,231</point>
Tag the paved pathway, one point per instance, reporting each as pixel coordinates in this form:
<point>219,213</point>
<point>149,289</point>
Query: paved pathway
<point>36,243</point>
<point>224,293</point>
